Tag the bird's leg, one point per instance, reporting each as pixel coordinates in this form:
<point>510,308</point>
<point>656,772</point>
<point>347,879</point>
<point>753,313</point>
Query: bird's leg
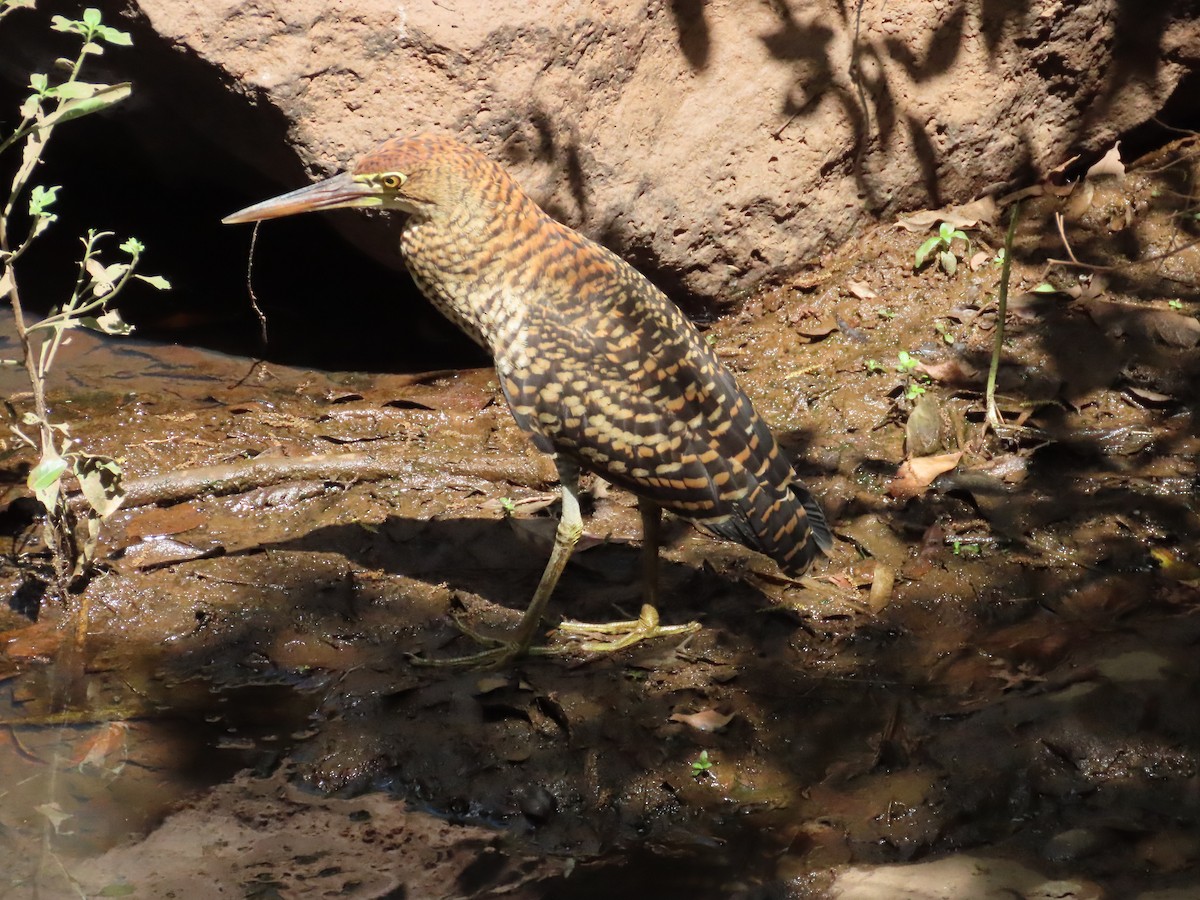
<point>646,624</point>
<point>566,536</point>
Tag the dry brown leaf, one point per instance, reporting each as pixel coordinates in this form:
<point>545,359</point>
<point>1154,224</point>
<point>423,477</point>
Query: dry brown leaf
<point>112,741</point>
<point>881,587</point>
<point>915,475</point>
<point>967,215</point>
<point>814,330</point>
<point>860,290</point>
<point>161,552</point>
<point>979,260</point>
<point>705,720</point>
<point>923,430</point>
<point>1147,396</point>
<point>489,683</point>
<point>165,520</point>
<point>949,371</point>
<point>1056,173</point>
<point>1109,165</point>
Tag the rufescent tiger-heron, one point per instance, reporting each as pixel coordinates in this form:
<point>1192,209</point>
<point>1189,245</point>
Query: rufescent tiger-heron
<point>597,365</point>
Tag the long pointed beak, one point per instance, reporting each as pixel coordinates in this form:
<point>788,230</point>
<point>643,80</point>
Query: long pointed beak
<point>332,193</point>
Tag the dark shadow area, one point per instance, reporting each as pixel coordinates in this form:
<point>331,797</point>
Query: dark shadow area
<point>692,32</point>
<point>152,167</point>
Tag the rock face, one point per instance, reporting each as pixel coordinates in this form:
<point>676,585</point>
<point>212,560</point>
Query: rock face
<point>724,140</point>
<point>713,143</point>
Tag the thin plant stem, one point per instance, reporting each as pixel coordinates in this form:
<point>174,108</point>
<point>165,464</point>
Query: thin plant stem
<point>993,414</point>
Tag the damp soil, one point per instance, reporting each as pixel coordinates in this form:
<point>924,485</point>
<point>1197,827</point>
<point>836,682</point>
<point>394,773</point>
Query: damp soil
<point>989,688</point>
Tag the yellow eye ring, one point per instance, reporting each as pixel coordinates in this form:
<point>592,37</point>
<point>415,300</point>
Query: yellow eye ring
<point>392,182</point>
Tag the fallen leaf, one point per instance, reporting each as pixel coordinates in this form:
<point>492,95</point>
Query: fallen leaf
<point>56,816</point>
<point>490,683</point>
<point>161,552</point>
<point>966,215</point>
<point>923,430</point>
<point>1010,469</point>
<point>860,290</point>
<point>815,330</point>
<point>881,587</point>
<point>915,475</point>
<point>112,741</point>
<point>979,260</point>
<point>1109,165</point>
<point>1080,200</point>
<point>1149,397</point>
<point>1055,174</point>
<point>705,720</point>
<point>949,371</point>
<point>164,520</point>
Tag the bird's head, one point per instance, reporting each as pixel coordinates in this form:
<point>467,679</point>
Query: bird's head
<point>418,175</point>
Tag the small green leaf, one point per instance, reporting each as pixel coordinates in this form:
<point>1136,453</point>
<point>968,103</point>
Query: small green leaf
<point>76,90</point>
<point>133,247</point>
<point>925,249</point>
<point>62,23</point>
<point>113,36</point>
<point>1045,288</point>
<point>102,99</point>
<point>40,199</point>
<point>91,17</point>
<point>93,48</point>
<point>44,479</point>
<point>109,323</point>
<point>155,281</point>
<point>39,83</point>
<point>946,232</point>
<point>905,361</point>
<point>948,261</point>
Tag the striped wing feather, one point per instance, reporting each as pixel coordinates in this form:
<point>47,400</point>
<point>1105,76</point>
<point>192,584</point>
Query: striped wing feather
<point>647,404</point>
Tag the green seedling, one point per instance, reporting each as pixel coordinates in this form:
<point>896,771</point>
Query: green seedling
<point>1175,304</point>
<point>905,365</point>
<point>71,525</point>
<point>874,367</point>
<point>942,245</point>
<point>701,764</point>
<point>508,505</point>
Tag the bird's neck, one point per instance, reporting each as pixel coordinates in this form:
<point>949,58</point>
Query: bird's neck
<point>473,266</point>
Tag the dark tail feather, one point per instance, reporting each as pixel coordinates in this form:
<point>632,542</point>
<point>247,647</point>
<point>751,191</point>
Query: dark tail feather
<point>792,533</point>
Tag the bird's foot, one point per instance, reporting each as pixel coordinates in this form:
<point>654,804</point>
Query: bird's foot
<point>498,652</point>
<point>644,627</point>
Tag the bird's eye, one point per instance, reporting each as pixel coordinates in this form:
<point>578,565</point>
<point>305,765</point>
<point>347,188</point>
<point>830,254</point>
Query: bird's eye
<point>391,182</point>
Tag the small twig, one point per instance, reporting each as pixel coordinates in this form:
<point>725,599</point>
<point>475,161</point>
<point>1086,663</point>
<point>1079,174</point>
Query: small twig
<point>262,319</point>
<point>993,414</point>
<point>1062,233</point>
